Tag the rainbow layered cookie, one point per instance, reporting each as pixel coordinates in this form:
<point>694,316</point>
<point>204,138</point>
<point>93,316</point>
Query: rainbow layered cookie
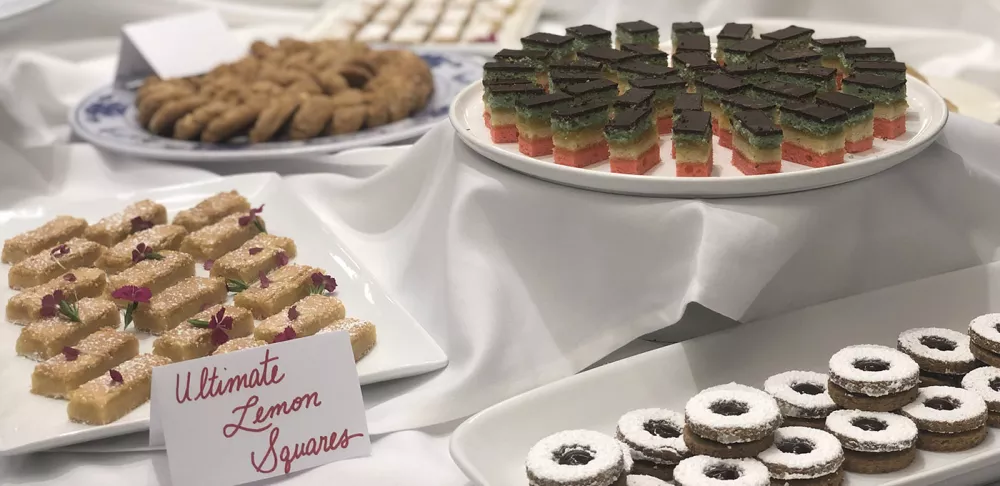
<point>633,142</point>
<point>30,304</point>
<point>712,90</point>
<point>693,43</point>
<point>731,34</point>
<point>759,72</point>
<point>46,338</point>
<point>306,317</point>
<point>608,58</point>
<point>52,262</point>
<point>559,81</point>
<point>211,210</point>
<point>692,143</point>
<point>735,104</point>
<point>831,47</point>
<point>362,334</point>
<point>586,35</point>
<point>578,134</point>
<point>648,54</point>
<point>602,90</point>
<point>156,274</point>
<point>633,99</point>
<point>93,356</point>
<point>135,217</point>
<point>576,66</point>
<point>637,32</point>
<point>756,143</point>
<point>509,72</point>
<point>665,91</point>
<point>262,253</point>
<point>695,65</point>
<point>282,288</point>
<point>851,55</point>
<point>501,115</point>
<point>60,230</point>
<point>889,69</point>
<point>790,38</point>
<point>167,309</point>
<point>108,398</point>
<point>637,69</point>
<point>782,93</point>
<point>534,128</point>
<point>797,57</point>
<point>813,134</point>
<point>158,238</point>
<point>200,336</point>
<point>678,29</point>
<point>219,238</point>
<point>688,102</point>
<point>539,60</point>
<point>822,79</point>
<point>859,129</point>
<point>889,96</point>
<point>748,51</point>
<point>559,47</point>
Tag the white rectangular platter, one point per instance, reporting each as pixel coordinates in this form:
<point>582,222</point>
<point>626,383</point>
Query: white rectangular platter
<point>491,446</point>
<point>29,422</point>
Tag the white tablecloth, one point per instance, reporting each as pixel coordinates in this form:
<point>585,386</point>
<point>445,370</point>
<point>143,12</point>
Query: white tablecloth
<point>523,282</point>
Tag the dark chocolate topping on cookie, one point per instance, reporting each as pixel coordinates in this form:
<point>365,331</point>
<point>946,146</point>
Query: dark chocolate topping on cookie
<point>786,89</point>
<point>732,30</point>
<point>653,83</point>
<point>721,82</point>
<point>758,123</point>
<point>506,82</point>
<point>827,114</point>
<point>687,27</point>
<point>634,96</point>
<point>846,102</point>
<point>871,80</point>
<point>644,50</point>
<point>744,102</point>
<point>800,55</point>
<point>507,67</point>
<point>818,72</point>
<point>754,68</point>
<point>750,46</point>
<point>863,52</point>
<point>688,102</point>
<point>851,40</point>
<point>580,110</point>
<point>636,27</point>
<point>525,89</point>
<point>693,42</point>
<point>587,30</point>
<point>544,100</point>
<point>576,65</point>
<point>649,70</point>
<point>696,122</point>
<point>560,77</point>
<point>693,58</point>
<point>507,54</point>
<point>628,118</point>
<point>894,66</point>
<point>547,39</point>
<point>591,86</point>
<point>790,32</point>
<point>606,54</point>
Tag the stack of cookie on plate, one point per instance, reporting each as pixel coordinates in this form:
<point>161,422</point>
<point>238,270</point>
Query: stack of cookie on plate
<point>869,414</point>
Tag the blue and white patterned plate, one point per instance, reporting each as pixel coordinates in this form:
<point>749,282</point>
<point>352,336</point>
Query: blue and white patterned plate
<point>107,119</point>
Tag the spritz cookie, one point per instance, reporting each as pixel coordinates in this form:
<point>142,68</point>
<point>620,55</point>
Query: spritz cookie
<point>802,397</point>
<point>93,356</point>
<point>984,333</point>
<point>576,458</point>
<point>52,262</point>
<point>985,382</point>
<point>281,288</point>
<point>177,303</point>
<point>158,238</point>
<point>222,237</point>
<point>655,439</point>
<point>712,471</point>
<point>804,456</point>
<point>134,218</point>
<point>47,337</point>
<point>211,210</point>
<point>872,377</point>
<point>203,333</point>
<point>874,442</point>
<point>60,230</point>
<point>114,394</point>
<point>730,421</point>
<point>943,355</point>
<point>168,268</point>
<point>948,419</point>
<point>28,305</point>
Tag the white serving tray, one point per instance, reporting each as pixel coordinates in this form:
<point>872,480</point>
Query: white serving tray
<point>29,422</point>
<point>491,446</point>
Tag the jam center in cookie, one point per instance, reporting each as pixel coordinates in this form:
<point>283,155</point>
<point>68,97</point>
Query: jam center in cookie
<point>729,408</point>
<point>942,403</point>
<point>723,472</point>
<point>808,388</point>
<point>871,364</point>
<point>661,428</point>
<point>869,424</point>
<point>939,343</point>
<point>796,445</point>
<point>574,456</point>
<point>995,384</point>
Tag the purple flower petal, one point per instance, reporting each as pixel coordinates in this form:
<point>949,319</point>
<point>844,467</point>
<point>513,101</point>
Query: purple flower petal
<point>282,258</point>
<point>70,353</point>
<point>293,313</point>
<point>208,264</point>
<point>255,250</point>
<point>264,281</point>
<point>116,376</point>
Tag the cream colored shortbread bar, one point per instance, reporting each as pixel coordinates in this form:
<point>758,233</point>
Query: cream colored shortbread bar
<point>118,226</point>
<point>239,344</point>
<point>159,238</point>
<point>362,333</point>
<point>212,210</point>
<point>287,285</point>
<point>103,400</point>
<point>61,229</point>
<point>175,304</point>
<point>314,313</point>
<point>78,284</point>
<point>52,262</point>
<point>217,239</point>
<point>187,341</point>
<point>46,338</point>
<point>257,255</point>
<point>156,275</point>
<point>57,376</point>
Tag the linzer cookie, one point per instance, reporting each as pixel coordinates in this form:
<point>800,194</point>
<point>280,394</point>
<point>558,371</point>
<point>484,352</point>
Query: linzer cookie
<point>211,210</point>
<point>948,419</point>
<point>558,46</point>
<point>984,335</point>
<point>873,378</point>
<point>655,439</point>
<point>665,91</point>
<point>60,230</point>
<point>943,355</point>
<point>587,35</point>
<point>362,334</point>
<point>782,93</point>
<point>200,335</point>
<point>637,32</point>
<point>576,458</point>
<point>110,397</point>
<point>93,356</point>
<point>648,54</point>
<point>262,253</point>
<point>802,397</point>
<point>228,234</point>
<point>500,115</point>
<point>859,129</point>
<point>136,217</point>
<point>874,442</point>
<point>789,38</point>
<point>158,238</point>
<point>730,421</point>
<point>692,141</point>
<point>822,79</point>
<point>706,470</point>
<point>712,89</point>
<point>831,47</point>
<point>534,126</point>
<point>684,28</point>
<point>633,142</point>
<point>850,55</point>
<point>803,456</point>
<point>748,51</point>
<point>730,34</point>
<point>35,302</point>
<point>756,142</point>
<point>643,480</point>
<point>578,134</point>
<point>51,262</point>
<point>178,303</point>
<point>813,134</point>
<point>156,274</point>
<point>279,289</point>
<point>889,96</point>
<point>985,382</point>
<point>734,104</point>
<point>47,337</point>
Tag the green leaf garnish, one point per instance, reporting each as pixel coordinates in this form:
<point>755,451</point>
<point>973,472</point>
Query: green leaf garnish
<point>198,323</point>
<point>236,285</point>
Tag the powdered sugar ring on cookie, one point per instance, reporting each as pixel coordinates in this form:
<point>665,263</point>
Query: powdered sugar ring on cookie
<point>641,480</point>
<point>985,382</point>
<point>872,431</point>
<point>945,409</point>
<point>802,453</point>
<point>575,458</point>
<point>654,434</point>
<point>710,471</point>
<point>627,460</point>
<point>730,415</point>
<point>873,370</point>
<point>939,350</point>
<point>985,331</point>
<point>801,394</point>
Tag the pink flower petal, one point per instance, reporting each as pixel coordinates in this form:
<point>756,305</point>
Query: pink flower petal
<point>255,250</point>
<point>116,376</point>
<point>208,264</point>
<point>70,353</point>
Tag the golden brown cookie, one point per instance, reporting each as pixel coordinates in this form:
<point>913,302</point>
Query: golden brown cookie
<point>304,86</point>
<point>312,118</point>
<point>332,82</point>
<point>231,122</point>
<point>347,119</point>
<point>349,97</point>
<point>164,118</point>
<point>355,75</point>
<point>260,49</point>
<point>189,127</point>
<point>150,104</point>
<point>273,117</point>
<point>377,113</point>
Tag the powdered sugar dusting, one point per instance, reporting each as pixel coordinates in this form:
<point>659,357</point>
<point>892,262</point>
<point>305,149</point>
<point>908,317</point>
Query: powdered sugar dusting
<point>693,471</point>
<point>607,463</point>
<point>902,373</point>
<point>910,343</point>
<point>969,410</point>
<point>761,416</point>
<point>986,326</point>
<point>825,457</point>
<point>637,480</point>
<point>651,447</point>
<point>795,404</point>
<point>899,434</point>
<point>979,381</point>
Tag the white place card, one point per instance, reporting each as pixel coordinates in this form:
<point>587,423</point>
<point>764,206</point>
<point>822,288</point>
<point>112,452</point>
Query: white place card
<point>261,412</point>
<point>176,46</point>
